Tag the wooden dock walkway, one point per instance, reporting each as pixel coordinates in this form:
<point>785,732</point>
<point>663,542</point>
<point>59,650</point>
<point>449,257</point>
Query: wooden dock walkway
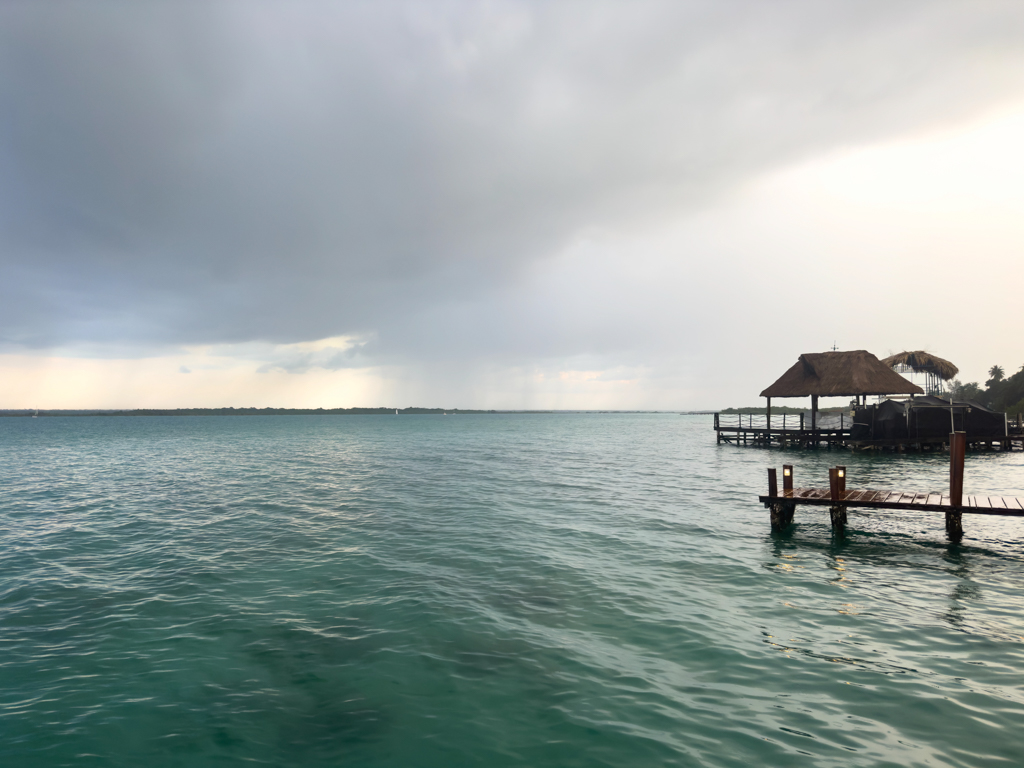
<point>837,498</point>
<point>906,500</point>
<point>774,430</point>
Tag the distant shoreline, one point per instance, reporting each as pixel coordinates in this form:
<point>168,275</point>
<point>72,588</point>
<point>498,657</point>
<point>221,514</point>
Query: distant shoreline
<point>30,412</point>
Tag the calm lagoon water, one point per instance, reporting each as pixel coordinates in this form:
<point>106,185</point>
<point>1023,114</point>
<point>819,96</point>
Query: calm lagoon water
<point>521,590</point>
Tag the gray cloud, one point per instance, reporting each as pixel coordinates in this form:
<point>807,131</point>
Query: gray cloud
<point>235,172</point>
<point>357,354</point>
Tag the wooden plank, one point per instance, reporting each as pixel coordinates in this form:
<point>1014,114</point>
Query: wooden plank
<point>982,502</point>
<point>892,496</point>
<point>1020,504</point>
<point>920,498</point>
<point>818,493</point>
<point>945,500</point>
<point>934,498</point>
<point>998,502</point>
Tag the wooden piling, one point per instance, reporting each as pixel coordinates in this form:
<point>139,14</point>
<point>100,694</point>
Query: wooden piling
<point>776,511</point>
<point>781,511</point>
<point>837,511</point>
<point>954,515</point>
<point>957,448</point>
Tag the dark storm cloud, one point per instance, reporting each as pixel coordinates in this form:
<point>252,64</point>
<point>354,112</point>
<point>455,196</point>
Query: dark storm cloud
<point>278,172</point>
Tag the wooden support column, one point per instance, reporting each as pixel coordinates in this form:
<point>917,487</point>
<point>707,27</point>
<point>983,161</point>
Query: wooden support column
<point>837,488</point>
<point>814,412</point>
<point>954,516</point>
<point>780,511</point>
<point>768,420</point>
<point>785,509</point>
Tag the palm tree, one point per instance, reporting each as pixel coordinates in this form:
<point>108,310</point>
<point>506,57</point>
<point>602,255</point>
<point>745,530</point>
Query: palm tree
<point>996,373</point>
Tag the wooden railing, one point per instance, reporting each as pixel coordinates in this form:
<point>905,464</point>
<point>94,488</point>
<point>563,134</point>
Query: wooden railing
<point>781,421</point>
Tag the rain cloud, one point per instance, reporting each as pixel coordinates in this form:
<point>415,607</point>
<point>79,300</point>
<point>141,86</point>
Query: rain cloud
<point>439,181</point>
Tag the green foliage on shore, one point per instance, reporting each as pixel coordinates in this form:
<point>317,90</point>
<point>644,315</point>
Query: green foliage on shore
<point>1001,393</point>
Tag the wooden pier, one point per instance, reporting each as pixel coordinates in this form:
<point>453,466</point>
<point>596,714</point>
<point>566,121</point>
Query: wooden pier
<point>788,431</point>
<point>952,503</point>
<point>859,375</point>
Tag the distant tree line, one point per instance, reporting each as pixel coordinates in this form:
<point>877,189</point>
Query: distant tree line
<point>1000,393</point>
<point>778,410</point>
<point>241,412</point>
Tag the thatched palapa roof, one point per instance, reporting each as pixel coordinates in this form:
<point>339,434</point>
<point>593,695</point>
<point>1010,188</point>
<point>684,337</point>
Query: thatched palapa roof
<point>840,374</point>
<point>924,362</point>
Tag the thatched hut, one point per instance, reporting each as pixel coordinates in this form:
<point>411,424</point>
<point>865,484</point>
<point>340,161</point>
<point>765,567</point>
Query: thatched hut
<point>935,369</point>
<point>838,374</point>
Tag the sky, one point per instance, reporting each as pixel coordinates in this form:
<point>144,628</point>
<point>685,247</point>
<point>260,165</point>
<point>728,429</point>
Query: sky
<point>511,205</point>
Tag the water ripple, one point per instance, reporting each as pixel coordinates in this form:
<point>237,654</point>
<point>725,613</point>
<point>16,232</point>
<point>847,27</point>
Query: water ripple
<point>487,590</point>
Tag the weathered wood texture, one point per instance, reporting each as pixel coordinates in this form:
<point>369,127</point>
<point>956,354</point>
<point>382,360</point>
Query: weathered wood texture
<point>910,500</point>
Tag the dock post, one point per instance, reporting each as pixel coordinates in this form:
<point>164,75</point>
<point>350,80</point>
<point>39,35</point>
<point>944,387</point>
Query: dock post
<point>837,488</point>
<point>781,512</point>
<point>954,515</point>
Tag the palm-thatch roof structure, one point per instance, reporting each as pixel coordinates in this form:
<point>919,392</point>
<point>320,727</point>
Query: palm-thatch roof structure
<point>840,374</point>
<point>923,362</point>
<point>935,369</point>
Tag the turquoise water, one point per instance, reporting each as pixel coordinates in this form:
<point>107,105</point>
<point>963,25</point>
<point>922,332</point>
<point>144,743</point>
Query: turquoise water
<point>488,590</point>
